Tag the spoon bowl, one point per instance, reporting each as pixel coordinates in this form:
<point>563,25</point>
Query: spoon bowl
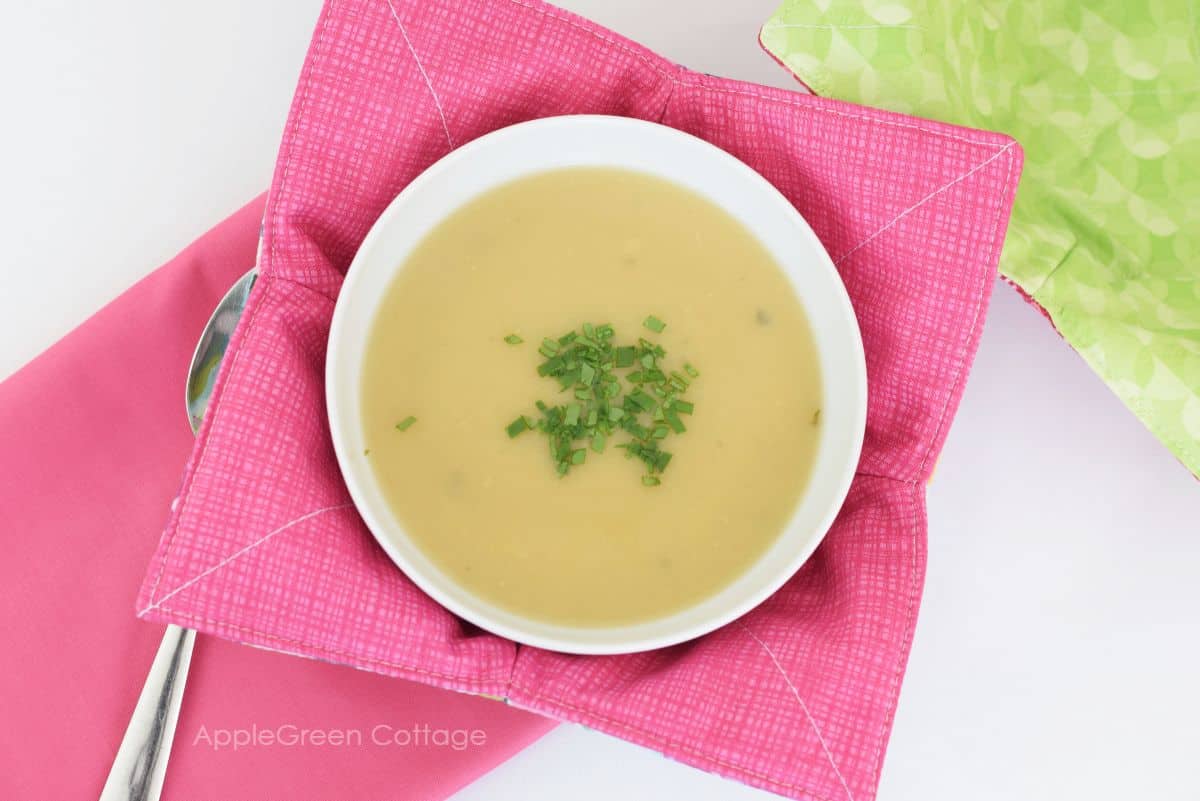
<point>210,350</point>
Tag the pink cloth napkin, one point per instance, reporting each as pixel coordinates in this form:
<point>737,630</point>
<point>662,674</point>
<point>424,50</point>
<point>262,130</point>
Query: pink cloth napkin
<point>264,546</point>
<point>92,435</point>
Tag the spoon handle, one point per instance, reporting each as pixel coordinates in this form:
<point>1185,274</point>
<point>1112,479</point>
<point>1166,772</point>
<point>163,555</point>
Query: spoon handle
<point>141,763</point>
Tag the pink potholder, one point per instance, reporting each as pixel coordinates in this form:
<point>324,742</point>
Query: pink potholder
<point>264,547</point>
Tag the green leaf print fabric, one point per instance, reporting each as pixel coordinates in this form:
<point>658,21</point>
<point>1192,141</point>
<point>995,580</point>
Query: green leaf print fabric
<point>1105,99</point>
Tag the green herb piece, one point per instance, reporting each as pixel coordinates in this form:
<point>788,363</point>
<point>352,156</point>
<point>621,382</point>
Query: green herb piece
<point>404,424</point>
<point>673,420</point>
<point>579,456</point>
<point>682,406</point>
<point>572,415</point>
<point>518,426</point>
<point>692,371</point>
<point>623,357</point>
<point>513,339</point>
<point>651,481</point>
<point>598,440</point>
<point>641,399</point>
<point>654,324</point>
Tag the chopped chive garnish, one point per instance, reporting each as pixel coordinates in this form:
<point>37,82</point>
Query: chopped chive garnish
<point>405,423</point>
<point>585,364</point>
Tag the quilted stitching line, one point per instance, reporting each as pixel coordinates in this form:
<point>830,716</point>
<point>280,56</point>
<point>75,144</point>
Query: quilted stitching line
<point>925,200</point>
<point>428,83</point>
<point>803,706</point>
<point>243,551</point>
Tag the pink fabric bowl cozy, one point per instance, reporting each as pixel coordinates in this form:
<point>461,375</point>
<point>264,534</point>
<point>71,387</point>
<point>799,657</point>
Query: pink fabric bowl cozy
<point>264,547</point>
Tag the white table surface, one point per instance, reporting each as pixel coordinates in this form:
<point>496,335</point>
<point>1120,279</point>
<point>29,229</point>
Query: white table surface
<point>1058,649</point>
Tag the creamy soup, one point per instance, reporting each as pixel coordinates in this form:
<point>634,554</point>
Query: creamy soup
<point>536,258</point>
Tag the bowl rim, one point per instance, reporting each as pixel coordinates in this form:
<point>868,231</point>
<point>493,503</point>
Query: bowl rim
<point>407,556</point>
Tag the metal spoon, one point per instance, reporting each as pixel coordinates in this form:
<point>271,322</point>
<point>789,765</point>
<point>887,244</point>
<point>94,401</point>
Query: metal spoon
<point>141,762</point>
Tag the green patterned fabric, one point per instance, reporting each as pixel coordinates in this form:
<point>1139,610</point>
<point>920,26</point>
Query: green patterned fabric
<point>1105,99</point>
